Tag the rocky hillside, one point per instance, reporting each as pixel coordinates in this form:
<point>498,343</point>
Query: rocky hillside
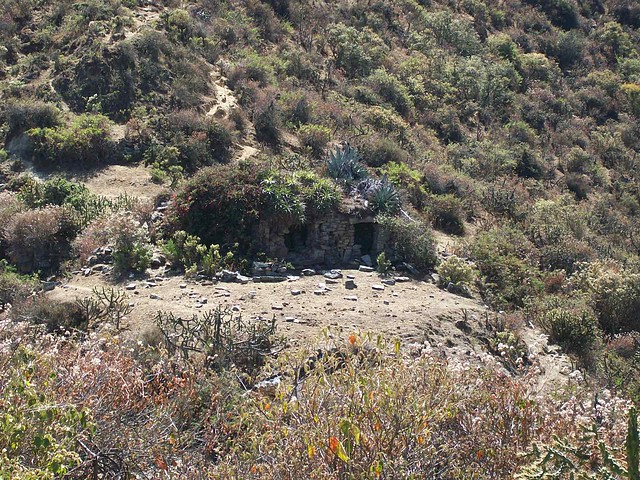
<point>350,239</point>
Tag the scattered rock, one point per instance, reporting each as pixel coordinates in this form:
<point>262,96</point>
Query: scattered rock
<point>402,279</point>
<point>296,292</point>
<point>269,279</point>
<point>48,286</point>
<point>203,300</point>
<point>350,284</point>
<point>235,308</point>
<point>183,286</point>
<point>293,278</point>
<point>227,276</point>
<point>351,298</point>
<point>435,278</point>
<point>251,294</point>
<point>277,307</point>
<point>131,286</point>
<point>320,292</point>
<point>308,272</point>
<point>289,319</point>
<point>377,287</point>
<point>157,261</point>
<point>333,275</point>
<point>364,268</point>
<point>242,279</point>
<point>155,296</point>
<point>268,387</point>
<point>366,259</point>
<point>389,281</point>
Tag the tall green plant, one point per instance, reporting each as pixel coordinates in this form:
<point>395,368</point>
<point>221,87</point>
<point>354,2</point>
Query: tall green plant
<point>344,165</point>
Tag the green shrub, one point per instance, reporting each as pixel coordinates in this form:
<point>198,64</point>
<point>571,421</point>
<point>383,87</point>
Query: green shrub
<point>383,265</point>
<point>457,274</point>
<point>571,324</point>
<point>85,143</point>
<point>410,241</point>
<point>380,151</point>
<point>357,52</point>
<point>38,438</point>
<point>615,295</point>
<point>54,191</point>
<point>505,258</point>
<point>409,180</point>
<point>186,251</point>
<point>446,213</point>
<point>391,89</point>
<point>24,115</point>
<point>315,137</point>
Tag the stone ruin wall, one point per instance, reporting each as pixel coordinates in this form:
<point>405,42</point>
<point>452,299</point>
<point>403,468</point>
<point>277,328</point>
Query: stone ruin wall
<point>329,240</point>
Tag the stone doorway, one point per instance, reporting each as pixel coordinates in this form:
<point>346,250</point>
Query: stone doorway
<point>364,236</point>
<point>296,239</point>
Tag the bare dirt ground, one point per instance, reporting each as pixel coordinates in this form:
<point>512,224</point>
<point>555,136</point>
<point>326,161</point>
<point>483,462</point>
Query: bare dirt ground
<point>116,180</point>
<point>412,311</point>
<point>424,318</point>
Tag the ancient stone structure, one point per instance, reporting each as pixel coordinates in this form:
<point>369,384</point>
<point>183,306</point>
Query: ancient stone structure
<point>333,239</point>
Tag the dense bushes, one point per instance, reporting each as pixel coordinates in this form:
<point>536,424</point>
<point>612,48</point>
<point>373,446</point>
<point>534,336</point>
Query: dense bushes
<point>223,205</point>
<point>24,115</point>
<point>39,239</point>
<point>614,293</point>
<point>84,144</point>
<point>506,262</point>
<point>410,241</point>
<point>569,323</point>
<point>377,415</point>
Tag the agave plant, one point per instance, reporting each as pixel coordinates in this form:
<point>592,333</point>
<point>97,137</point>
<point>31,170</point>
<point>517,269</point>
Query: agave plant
<point>344,165</point>
<point>381,194</point>
<point>385,198</point>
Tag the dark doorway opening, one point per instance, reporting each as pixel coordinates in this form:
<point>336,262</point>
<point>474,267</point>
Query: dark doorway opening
<point>296,239</point>
<point>363,235</point>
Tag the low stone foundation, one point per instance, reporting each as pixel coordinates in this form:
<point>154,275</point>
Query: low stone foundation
<point>334,239</point>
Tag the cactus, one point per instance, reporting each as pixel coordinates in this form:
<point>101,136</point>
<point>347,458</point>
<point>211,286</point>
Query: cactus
<point>633,446</point>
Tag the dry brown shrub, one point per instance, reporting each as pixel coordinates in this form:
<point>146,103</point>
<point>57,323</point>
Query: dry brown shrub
<point>38,239</point>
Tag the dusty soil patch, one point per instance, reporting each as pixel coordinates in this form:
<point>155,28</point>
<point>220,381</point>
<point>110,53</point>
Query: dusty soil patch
<point>412,311</point>
<point>426,319</point>
<point>116,180</point>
